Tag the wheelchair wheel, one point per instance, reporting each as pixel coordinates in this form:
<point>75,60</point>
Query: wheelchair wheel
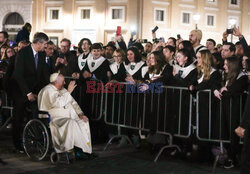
<point>36,140</point>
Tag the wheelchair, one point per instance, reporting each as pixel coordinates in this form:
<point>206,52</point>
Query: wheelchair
<point>37,141</point>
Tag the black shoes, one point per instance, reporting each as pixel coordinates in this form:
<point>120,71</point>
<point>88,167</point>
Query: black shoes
<point>228,164</point>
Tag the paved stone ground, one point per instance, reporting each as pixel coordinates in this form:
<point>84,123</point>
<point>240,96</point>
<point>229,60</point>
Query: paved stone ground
<point>113,161</point>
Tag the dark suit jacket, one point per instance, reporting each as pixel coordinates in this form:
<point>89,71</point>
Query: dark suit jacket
<point>28,78</point>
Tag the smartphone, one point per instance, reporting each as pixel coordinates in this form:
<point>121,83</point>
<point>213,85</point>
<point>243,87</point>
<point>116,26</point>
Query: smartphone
<point>144,40</point>
<point>118,31</point>
<point>178,36</point>
<point>162,39</point>
<point>61,55</point>
<point>155,29</point>
<point>230,31</point>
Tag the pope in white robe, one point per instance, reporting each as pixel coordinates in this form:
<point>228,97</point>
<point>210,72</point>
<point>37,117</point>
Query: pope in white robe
<point>69,126</point>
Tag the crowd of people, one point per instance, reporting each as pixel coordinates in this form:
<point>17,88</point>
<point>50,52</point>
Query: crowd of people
<point>222,68</point>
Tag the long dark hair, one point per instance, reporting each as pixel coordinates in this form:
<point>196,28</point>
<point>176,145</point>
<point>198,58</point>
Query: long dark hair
<point>160,61</point>
<point>136,53</point>
<point>187,45</point>
<point>234,68</point>
<point>186,53</point>
<point>80,44</point>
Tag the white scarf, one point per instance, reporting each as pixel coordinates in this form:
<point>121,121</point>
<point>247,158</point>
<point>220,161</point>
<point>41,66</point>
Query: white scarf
<point>202,77</point>
<point>137,67</point>
<point>114,67</point>
<point>153,76</point>
<point>82,62</point>
<point>95,62</point>
<point>186,70</point>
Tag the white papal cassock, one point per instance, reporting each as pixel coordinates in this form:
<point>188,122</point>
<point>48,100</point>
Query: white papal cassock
<point>67,129</point>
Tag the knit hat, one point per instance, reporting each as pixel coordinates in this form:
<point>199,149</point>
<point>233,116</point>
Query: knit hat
<point>198,34</point>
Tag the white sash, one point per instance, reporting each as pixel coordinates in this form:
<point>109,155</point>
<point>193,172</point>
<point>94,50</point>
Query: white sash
<point>137,67</point>
<point>186,70</point>
<point>114,67</point>
<point>201,79</point>
<point>97,63</point>
<point>82,62</point>
<point>153,76</point>
<point>144,71</point>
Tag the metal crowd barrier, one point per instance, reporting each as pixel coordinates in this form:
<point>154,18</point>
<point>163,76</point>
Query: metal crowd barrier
<point>215,119</point>
<point>149,111</point>
<point>219,120</point>
<point>7,104</point>
<point>97,99</point>
<point>178,101</point>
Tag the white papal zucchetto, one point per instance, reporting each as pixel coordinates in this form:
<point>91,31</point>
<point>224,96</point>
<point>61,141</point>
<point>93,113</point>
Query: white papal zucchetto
<point>53,77</point>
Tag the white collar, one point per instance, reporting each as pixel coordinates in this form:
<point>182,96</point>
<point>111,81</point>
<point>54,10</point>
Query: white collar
<point>138,65</point>
<point>201,78</point>
<point>144,71</point>
<point>153,76</point>
<point>114,67</point>
<point>186,70</point>
<point>34,51</point>
<point>82,62</point>
<point>97,62</point>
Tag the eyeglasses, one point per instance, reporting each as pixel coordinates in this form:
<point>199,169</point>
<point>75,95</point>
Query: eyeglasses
<point>117,56</point>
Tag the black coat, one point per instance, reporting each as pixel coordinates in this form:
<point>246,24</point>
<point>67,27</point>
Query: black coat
<point>245,123</point>
<point>28,78</point>
<point>205,105</point>
<point>23,34</point>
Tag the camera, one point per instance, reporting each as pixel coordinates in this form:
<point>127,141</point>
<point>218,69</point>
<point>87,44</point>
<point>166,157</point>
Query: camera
<point>144,40</point>
<point>230,31</point>
<point>156,40</point>
<point>155,29</point>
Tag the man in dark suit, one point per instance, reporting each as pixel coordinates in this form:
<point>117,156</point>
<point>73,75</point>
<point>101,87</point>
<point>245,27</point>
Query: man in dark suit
<point>50,59</point>
<point>31,75</point>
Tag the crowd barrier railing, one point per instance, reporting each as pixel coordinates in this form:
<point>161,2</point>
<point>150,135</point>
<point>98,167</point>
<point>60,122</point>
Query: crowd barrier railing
<point>216,119</point>
<point>177,106</point>
<point>219,116</point>
<point>152,111</point>
<point>7,104</point>
<point>97,99</point>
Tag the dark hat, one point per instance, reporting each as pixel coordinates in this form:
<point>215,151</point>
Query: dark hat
<point>138,45</point>
<point>111,44</point>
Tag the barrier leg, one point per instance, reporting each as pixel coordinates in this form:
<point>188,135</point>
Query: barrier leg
<point>117,136</point>
<point>215,164</point>
<point>171,145</point>
<point>217,158</point>
<point>6,123</point>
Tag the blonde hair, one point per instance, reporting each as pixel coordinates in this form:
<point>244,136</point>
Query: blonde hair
<point>206,66</point>
<point>122,54</point>
<point>197,33</point>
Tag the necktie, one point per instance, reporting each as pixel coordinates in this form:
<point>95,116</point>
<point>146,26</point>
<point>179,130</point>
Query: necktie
<point>36,59</point>
<point>48,60</point>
